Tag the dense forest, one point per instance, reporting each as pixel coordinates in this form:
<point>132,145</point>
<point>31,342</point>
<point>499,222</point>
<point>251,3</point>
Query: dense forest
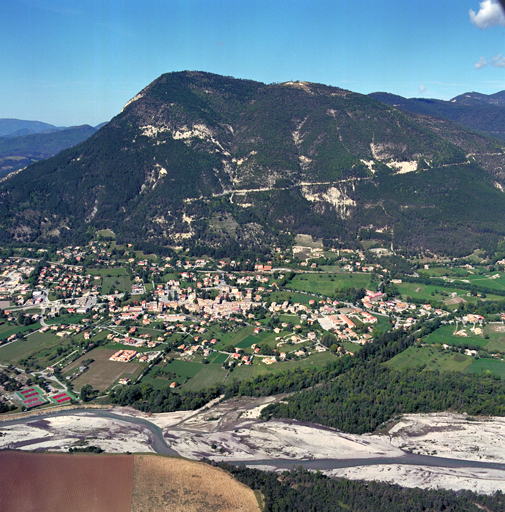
<point>364,398</point>
<point>305,491</point>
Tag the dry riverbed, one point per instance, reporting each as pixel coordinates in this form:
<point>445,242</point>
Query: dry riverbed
<point>231,431</point>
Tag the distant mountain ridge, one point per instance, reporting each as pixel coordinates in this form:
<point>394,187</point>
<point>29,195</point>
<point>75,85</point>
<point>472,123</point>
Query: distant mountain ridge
<point>474,98</point>
<point>474,111</point>
<point>17,127</point>
<point>25,142</point>
<point>18,152</point>
<point>218,164</point>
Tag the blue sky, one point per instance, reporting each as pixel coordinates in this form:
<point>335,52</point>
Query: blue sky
<point>69,62</point>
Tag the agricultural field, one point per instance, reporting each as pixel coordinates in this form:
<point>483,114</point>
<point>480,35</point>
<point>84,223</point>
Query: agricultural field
<point>421,291</point>
<point>492,337</point>
<point>326,284</point>
<point>383,323</point>
<point>493,366</point>
<point>220,358</point>
<point>495,280</point>
<point>447,334</point>
<point>263,338</point>
<point>431,357</point>
<point>234,338</point>
<point>65,319</point>
<point>187,485</point>
<point>102,373</point>
<point>195,376</point>
<point>7,329</point>
<point>496,333</point>
<point>350,347</point>
<point>184,369</point>
<point>445,271</point>
<point>300,298</point>
<point>208,376</point>
<point>293,319</point>
<point>192,375</point>
<point>112,279</point>
<point>435,358</point>
<point>317,360</point>
<point>42,346</point>
<point>60,482</point>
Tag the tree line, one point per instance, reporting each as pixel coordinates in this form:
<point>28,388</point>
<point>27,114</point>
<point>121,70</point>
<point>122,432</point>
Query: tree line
<point>306,491</point>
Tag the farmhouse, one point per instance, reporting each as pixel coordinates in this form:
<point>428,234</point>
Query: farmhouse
<point>123,356</point>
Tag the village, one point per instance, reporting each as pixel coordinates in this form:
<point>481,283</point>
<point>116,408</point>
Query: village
<point>101,317</point>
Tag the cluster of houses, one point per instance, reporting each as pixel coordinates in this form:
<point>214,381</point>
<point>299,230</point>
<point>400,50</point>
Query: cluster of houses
<point>68,281</point>
<point>375,301</point>
<point>140,341</point>
<point>203,347</point>
<point>11,279</point>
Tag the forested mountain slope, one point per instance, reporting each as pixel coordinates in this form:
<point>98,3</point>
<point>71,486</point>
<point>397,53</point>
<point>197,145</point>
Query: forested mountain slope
<point>198,159</point>
<point>474,111</point>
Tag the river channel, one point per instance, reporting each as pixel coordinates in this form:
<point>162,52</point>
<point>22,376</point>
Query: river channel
<point>159,445</point>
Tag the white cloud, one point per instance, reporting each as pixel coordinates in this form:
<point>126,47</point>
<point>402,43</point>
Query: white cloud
<point>498,61</point>
<point>490,14</point>
<point>481,63</point>
<point>422,89</point>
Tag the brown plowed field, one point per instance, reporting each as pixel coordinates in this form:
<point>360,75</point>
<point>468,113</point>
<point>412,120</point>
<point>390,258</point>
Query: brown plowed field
<point>162,484</point>
<point>53,482</point>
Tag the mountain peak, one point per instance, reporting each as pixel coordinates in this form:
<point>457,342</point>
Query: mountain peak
<point>200,159</point>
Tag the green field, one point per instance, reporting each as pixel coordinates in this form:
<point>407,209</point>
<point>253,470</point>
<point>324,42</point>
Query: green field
<point>37,344</point>
<point>209,375</point>
<point>190,375</point>
<point>421,291</point>
<point>432,358</point>
<point>492,337</point>
<point>106,233</point>
<point>111,271</point>
<point>234,338</point>
<point>293,319</point>
<point>219,359</point>
<point>484,280</point>
<point>496,342</point>
<point>445,334</point>
<point>493,366</point>
<point>294,297</point>
<point>254,338</point>
<point>383,323</point>
<point>161,382</point>
<point>65,319</point>
<point>326,284</point>
<point>184,368</point>
<point>7,330</point>
<point>116,278</point>
<point>350,347</point>
<point>201,376</point>
<point>445,271</point>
